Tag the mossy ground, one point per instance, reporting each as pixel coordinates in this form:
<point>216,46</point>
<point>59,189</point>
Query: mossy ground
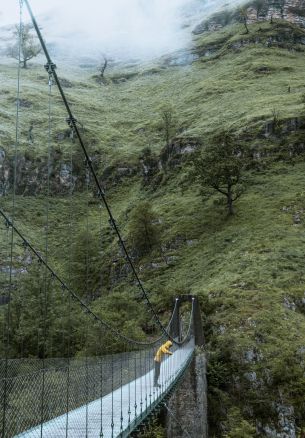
<point>242,267</point>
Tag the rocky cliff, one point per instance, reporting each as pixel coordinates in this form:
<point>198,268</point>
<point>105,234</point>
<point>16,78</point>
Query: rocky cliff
<point>292,11</point>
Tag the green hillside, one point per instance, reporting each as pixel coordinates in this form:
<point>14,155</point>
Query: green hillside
<point>247,269</point>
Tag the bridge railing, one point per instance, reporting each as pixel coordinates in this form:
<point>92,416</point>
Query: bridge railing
<point>65,385</point>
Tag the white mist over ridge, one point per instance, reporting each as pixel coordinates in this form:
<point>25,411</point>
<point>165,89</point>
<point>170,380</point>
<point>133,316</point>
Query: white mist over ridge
<point>141,29</point>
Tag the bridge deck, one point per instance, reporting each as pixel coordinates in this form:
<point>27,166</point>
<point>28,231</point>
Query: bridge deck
<point>89,420</point>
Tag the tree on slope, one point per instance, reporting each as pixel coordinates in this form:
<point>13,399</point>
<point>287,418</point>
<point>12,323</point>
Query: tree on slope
<point>168,126</point>
<point>243,13</point>
<point>143,230</point>
<point>259,6</point>
<point>281,6</point>
<point>102,68</point>
<point>85,265</point>
<point>29,48</point>
<point>220,168</point>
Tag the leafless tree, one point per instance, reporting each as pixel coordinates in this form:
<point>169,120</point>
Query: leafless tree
<point>168,127</point>
<point>243,13</point>
<point>29,48</point>
<point>276,122</point>
<point>102,67</point>
<point>168,124</point>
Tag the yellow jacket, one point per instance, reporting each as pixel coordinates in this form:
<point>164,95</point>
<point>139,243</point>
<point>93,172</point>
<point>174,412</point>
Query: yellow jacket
<point>164,349</point>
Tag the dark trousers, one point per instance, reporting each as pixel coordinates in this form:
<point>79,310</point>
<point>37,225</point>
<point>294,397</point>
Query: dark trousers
<point>157,372</point>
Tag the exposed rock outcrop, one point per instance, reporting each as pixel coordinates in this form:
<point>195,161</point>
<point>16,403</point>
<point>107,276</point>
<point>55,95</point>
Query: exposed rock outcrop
<point>32,173</point>
<point>292,11</point>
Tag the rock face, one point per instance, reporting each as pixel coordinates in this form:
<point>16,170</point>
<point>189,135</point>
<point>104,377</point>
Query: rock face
<point>179,149</point>
<point>292,11</point>
<point>32,172</point>
<point>4,173</point>
<point>286,424</point>
<point>188,405</point>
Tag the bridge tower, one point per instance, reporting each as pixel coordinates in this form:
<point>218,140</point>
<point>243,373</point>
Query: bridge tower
<point>187,408</point>
<point>197,321</point>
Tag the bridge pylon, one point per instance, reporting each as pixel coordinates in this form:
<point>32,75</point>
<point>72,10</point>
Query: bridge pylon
<point>176,328</point>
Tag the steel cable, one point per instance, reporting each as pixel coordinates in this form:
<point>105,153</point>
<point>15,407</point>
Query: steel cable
<point>16,145</point>
<point>73,124</point>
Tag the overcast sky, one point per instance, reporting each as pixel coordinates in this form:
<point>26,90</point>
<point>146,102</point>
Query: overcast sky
<point>135,28</point>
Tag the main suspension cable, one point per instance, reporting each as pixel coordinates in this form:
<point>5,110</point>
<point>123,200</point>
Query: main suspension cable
<point>72,122</point>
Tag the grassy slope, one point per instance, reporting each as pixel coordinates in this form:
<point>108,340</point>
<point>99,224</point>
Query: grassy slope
<point>242,267</point>
<point>120,111</point>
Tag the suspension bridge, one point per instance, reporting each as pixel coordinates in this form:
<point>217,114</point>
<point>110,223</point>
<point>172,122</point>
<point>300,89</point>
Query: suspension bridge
<point>65,370</point>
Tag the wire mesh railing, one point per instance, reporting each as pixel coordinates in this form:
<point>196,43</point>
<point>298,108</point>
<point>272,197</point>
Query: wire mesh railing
<point>25,378</point>
<point>128,377</point>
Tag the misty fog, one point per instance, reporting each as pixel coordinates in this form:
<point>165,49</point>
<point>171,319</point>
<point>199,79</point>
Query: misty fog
<point>119,28</point>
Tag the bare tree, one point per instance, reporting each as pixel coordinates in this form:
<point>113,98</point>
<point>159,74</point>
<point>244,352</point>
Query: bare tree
<point>243,13</point>
<point>168,127</point>
<point>30,133</point>
<point>102,67</point>
<point>276,122</point>
<point>29,48</point>
<point>168,124</point>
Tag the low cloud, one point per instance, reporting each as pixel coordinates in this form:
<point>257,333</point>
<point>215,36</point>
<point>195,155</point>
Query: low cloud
<point>120,28</point>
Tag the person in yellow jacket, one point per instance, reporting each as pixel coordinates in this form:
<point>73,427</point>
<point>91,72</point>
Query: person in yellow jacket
<point>164,349</point>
